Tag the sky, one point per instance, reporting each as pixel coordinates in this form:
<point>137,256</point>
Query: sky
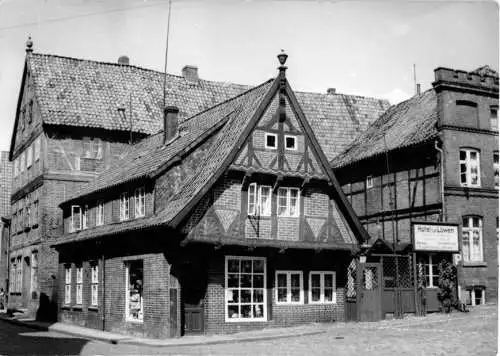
<point>366,48</point>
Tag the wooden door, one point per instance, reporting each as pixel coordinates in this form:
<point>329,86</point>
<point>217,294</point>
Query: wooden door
<point>369,293</point>
<point>194,284</point>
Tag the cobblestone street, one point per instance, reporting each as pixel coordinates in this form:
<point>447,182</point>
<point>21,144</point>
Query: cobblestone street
<point>438,334</point>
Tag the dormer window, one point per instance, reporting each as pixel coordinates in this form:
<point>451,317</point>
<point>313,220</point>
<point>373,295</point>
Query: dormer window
<point>92,147</point>
<point>271,141</point>
<point>76,218</point>
<point>140,202</point>
<point>290,142</point>
<point>259,200</point>
<point>288,202</point>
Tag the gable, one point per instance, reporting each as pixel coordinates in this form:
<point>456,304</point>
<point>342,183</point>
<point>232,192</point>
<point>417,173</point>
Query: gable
<point>292,152</point>
<point>28,123</point>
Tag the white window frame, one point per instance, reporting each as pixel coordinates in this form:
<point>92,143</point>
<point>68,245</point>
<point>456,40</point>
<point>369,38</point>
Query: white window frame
<point>369,182</point>
<point>288,274</point>
<point>496,169</point>
<point>268,134</point>
<point>127,293</point>
<point>322,287</point>
<point>75,217</point>
<point>16,167</point>
<point>29,156</point>
<point>470,230</point>
<point>252,199</point>
<point>22,162</point>
<point>94,286</point>
<point>37,148</point>
<point>295,145</point>
<point>79,285</point>
<point>265,209</point>
<point>428,263</point>
<point>124,207</point>
<point>99,214</point>
<point>67,285</point>
<point>85,217</point>
<point>288,207</point>
<point>470,292</point>
<point>140,202</point>
<point>227,290</point>
<point>468,167</point>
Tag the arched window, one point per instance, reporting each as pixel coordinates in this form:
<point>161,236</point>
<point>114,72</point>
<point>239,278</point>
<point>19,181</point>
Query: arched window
<point>470,173</point>
<point>472,239</point>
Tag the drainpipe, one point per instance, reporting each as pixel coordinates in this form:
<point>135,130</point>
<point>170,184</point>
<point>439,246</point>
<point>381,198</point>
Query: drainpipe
<point>103,293</point>
<point>441,178</point>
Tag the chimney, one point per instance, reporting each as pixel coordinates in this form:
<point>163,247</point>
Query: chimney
<point>331,91</point>
<point>170,123</point>
<point>418,89</point>
<point>190,73</point>
<point>123,60</point>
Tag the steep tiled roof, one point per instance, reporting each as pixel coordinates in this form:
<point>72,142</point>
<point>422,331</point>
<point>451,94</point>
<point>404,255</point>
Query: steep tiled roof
<point>408,123</point>
<point>149,155</point>
<point>87,93</point>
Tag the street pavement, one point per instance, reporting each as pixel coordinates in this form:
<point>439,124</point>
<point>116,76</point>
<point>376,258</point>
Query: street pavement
<point>456,334</point>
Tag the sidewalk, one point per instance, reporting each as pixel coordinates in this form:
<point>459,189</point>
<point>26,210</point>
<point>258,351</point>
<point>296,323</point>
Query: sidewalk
<point>114,338</point>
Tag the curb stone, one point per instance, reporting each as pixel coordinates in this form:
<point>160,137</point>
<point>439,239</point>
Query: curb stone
<point>157,343</point>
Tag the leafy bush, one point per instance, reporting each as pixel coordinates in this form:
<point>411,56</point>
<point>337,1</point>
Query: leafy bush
<point>447,284</point>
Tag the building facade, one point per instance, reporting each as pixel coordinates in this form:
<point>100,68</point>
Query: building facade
<point>5,189</point>
<point>76,117</point>
<point>235,221</point>
<point>434,158</point>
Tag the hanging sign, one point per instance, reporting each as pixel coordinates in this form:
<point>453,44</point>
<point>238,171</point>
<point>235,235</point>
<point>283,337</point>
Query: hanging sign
<point>438,237</point>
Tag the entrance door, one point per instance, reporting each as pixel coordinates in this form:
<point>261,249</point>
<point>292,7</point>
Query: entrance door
<point>369,292</point>
<point>194,284</point>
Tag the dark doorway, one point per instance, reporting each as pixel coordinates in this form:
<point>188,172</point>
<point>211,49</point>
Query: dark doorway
<point>194,286</point>
<point>369,295</point>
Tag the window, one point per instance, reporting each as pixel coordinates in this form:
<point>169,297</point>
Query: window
<point>92,147</point>
<point>94,291</point>
<point>469,168</point>
<point>67,285</point>
<point>85,217</point>
<point>289,287</point>
<point>12,274</point>
<point>16,167</point>
<point>35,212</point>
<point>369,182</point>
<point>290,142</point>
<point>322,287</point>
<point>34,272</point>
<point>20,218</point>
<point>76,218</point>
<point>124,206</point>
<point>494,118</point>
<point>140,202</point>
<point>271,140</point>
<point>245,282</point>
<point>288,202</point>
<point>472,239</point>
<point>134,288</point>
<point>265,200</point>
<point>430,272</point>
<point>37,148</point>
<point>79,284</point>
<point>22,162</point>
<point>259,201</point>
<point>252,199</point>
<point>99,215</point>
<point>475,296</point>
<point>495,168</point>
<point>29,156</point>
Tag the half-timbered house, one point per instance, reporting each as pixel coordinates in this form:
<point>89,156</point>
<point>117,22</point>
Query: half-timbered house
<point>75,117</point>
<point>432,158</point>
<point>231,220</point>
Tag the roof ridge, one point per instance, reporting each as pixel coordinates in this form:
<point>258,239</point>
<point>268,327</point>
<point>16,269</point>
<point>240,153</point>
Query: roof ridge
<point>228,100</point>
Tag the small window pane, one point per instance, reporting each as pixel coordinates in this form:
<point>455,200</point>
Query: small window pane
<point>315,280</point>
<point>290,143</point>
<point>258,266</point>
<point>270,141</point>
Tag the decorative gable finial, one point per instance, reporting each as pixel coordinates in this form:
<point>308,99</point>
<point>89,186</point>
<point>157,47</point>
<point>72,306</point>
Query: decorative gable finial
<point>282,57</point>
<point>29,45</point>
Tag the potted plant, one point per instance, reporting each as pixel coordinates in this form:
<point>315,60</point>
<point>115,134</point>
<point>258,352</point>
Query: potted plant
<point>447,284</point>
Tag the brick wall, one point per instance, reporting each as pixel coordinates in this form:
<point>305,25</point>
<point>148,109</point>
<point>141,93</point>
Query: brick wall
<point>279,315</point>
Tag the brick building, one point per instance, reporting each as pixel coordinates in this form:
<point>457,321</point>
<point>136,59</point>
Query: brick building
<point>5,189</point>
<point>432,158</point>
<point>76,117</point>
<point>232,220</point>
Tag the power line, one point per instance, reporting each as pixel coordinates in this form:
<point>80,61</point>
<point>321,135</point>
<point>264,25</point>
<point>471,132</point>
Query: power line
<point>66,18</point>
